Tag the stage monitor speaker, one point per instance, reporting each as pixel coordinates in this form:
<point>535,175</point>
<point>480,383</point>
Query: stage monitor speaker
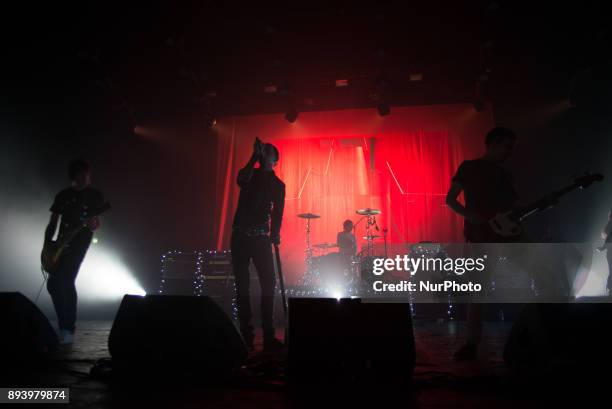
<point>175,335</point>
<point>27,335</point>
<point>346,341</point>
<point>557,338</point>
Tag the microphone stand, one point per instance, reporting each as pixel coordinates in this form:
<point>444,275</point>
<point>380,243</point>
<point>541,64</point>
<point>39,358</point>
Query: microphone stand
<point>385,239</point>
<point>281,280</point>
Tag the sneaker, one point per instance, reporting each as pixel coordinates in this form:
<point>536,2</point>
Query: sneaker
<point>66,337</point>
<point>273,345</point>
<point>468,352</point>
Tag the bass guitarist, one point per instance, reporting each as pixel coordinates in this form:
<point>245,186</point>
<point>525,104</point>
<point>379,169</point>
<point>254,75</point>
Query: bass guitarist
<point>72,209</point>
<point>487,189</point>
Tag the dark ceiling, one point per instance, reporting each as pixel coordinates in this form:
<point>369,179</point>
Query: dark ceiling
<point>189,59</point>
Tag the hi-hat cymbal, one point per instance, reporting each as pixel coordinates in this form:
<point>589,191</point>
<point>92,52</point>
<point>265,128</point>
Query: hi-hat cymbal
<point>368,212</point>
<point>371,237</point>
<point>308,216</point>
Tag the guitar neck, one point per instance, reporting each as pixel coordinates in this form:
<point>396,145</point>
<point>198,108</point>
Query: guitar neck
<point>544,203</point>
<point>68,238</point>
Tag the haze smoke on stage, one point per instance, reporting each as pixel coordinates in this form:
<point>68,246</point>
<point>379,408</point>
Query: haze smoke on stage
<point>102,277</point>
<point>105,277</point>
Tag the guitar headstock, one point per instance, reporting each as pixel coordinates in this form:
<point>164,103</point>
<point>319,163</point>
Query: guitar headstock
<point>588,179</point>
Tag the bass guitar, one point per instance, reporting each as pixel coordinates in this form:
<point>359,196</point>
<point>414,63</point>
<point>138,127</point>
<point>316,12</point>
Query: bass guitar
<point>507,226</point>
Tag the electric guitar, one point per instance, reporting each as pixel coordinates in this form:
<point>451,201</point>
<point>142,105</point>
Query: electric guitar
<point>505,226</point>
<point>53,250</point>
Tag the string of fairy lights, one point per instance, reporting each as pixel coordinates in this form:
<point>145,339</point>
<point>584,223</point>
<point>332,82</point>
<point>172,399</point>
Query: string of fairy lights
<point>199,271</point>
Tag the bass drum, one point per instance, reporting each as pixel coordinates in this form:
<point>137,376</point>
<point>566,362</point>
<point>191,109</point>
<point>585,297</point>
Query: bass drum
<point>366,270</point>
<point>334,268</point>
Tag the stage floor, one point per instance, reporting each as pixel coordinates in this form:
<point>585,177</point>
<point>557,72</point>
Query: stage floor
<point>439,380</point>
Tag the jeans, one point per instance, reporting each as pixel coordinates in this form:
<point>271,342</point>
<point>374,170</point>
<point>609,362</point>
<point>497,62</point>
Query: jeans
<point>258,248</point>
<point>62,288</point>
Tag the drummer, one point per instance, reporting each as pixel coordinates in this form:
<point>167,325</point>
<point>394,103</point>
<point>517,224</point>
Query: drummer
<point>346,240</point>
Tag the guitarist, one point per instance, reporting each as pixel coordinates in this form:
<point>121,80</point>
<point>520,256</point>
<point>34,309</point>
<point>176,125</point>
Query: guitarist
<point>487,189</point>
<point>73,205</point>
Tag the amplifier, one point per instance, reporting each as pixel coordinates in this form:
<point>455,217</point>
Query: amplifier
<point>206,273</point>
<point>221,289</point>
<point>216,263</point>
<point>179,272</point>
<point>200,273</point>
<point>216,280</point>
<point>176,264</point>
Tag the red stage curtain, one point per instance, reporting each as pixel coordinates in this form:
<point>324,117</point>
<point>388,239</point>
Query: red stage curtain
<point>336,162</point>
<point>322,177</point>
<point>415,171</point>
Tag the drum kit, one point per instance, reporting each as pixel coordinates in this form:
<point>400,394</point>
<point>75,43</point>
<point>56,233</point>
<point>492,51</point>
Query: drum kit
<point>324,265</point>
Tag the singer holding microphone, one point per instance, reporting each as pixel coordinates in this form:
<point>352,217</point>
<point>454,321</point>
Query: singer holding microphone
<point>257,224</point>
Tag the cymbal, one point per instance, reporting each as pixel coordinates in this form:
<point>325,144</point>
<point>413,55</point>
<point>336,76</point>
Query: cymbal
<point>368,212</point>
<point>325,245</point>
<point>371,237</point>
<point>308,216</point>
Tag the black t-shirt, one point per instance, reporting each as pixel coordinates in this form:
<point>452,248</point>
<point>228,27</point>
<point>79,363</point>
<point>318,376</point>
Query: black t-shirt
<point>347,243</point>
<point>261,202</point>
<point>75,206</point>
<point>487,188</point>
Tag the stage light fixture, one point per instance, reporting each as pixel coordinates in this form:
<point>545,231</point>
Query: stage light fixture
<point>342,83</point>
<point>291,115</point>
<point>415,77</point>
<point>270,89</point>
<point>383,109</point>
